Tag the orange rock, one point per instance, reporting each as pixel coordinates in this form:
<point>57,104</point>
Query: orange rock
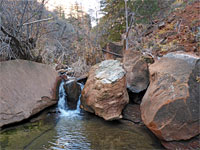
<point>170,107</point>
<point>105,91</point>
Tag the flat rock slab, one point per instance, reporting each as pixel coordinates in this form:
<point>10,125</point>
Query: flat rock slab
<point>26,89</point>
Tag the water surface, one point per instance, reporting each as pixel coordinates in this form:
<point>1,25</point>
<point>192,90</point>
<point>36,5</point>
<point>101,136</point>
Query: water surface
<point>76,130</point>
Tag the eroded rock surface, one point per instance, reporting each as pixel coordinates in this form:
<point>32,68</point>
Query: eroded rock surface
<point>170,107</point>
<point>26,88</point>
<point>137,76</point>
<point>105,91</point>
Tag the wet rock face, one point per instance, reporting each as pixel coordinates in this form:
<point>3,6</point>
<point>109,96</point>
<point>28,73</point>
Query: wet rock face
<point>137,76</point>
<point>26,88</point>
<point>170,107</point>
<point>191,144</point>
<point>132,113</point>
<point>105,91</point>
<point>73,91</point>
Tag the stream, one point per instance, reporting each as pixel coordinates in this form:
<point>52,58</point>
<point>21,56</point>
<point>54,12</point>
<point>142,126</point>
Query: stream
<point>59,128</point>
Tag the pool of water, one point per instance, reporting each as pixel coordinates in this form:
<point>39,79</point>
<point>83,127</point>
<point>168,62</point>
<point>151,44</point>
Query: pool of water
<point>76,130</point>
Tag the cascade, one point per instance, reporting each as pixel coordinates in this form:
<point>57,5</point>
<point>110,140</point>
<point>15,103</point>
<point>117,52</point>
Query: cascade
<point>62,106</point>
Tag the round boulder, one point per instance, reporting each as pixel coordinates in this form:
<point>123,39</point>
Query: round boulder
<point>170,107</point>
<point>105,91</point>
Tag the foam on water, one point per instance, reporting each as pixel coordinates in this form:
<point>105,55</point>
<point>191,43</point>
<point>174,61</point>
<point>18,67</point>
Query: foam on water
<point>62,106</point>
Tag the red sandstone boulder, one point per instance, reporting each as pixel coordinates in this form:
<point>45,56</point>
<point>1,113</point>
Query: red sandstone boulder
<point>26,88</point>
<point>105,91</point>
<point>137,76</point>
<point>170,107</point>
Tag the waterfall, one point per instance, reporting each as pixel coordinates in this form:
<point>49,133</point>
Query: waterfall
<point>62,107</point>
<point>79,101</point>
<point>62,96</point>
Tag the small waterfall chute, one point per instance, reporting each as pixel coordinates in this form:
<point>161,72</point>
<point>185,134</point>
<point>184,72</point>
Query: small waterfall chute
<point>62,106</point>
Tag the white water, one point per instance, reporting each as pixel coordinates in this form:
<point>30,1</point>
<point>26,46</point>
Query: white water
<point>62,106</point>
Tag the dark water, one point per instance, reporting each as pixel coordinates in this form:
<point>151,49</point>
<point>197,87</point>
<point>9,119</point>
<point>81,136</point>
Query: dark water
<point>76,130</point>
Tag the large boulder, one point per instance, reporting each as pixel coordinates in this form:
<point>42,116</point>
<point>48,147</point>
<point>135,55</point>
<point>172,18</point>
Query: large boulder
<point>137,76</point>
<point>26,88</point>
<point>105,91</point>
<point>73,91</point>
<point>170,107</point>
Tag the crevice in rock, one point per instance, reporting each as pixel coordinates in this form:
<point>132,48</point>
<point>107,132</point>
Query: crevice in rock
<point>82,80</point>
<point>136,98</point>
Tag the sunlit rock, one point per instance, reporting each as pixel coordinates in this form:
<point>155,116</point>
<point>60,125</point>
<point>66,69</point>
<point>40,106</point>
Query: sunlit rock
<point>26,88</point>
<point>170,107</point>
<point>105,91</point>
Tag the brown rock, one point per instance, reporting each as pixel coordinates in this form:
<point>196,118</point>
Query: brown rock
<point>170,107</point>
<point>105,90</point>
<point>137,75</point>
<point>192,144</point>
<point>73,91</point>
<point>26,89</point>
<point>113,48</point>
<point>132,113</point>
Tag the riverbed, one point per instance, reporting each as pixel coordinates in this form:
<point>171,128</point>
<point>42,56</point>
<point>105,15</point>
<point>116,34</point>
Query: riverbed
<point>56,129</point>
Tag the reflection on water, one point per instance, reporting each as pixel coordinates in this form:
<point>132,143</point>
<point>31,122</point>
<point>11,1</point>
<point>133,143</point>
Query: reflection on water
<point>84,132</point>
<point>76,130</point>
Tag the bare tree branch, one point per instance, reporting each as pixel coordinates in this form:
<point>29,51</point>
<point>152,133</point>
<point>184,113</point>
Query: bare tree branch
<point>37,21</point>
<point>112,53</point>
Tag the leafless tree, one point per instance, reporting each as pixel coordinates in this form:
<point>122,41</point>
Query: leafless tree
<point>29,31</point>
<point>21,26</point>
<point>126,16</point>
